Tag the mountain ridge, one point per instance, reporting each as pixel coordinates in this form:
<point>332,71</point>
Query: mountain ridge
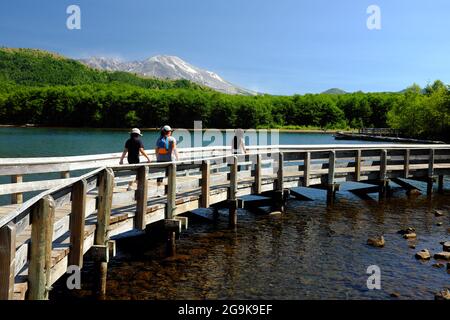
<point>167,67</point>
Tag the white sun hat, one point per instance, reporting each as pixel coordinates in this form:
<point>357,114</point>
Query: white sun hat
<point>136,130</point>
<point>167,128</point>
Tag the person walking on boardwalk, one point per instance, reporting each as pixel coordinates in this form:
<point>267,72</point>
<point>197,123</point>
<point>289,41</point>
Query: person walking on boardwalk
<point>134,147</point>
<point>166,148</point>
<point>238,143</point>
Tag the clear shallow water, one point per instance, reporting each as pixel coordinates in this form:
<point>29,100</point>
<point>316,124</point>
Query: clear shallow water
<point>311,252</point>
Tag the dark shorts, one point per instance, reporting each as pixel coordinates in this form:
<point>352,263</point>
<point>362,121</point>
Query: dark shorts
<point>133,160</point>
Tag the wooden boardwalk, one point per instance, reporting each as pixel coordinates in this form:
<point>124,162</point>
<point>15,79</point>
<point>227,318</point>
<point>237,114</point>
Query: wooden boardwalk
<point>73,216</point>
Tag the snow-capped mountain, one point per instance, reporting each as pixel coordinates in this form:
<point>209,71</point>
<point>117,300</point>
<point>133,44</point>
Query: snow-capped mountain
<point>168,67</point>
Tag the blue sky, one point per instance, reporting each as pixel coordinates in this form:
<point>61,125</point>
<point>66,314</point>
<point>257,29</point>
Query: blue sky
<point>276,46</point>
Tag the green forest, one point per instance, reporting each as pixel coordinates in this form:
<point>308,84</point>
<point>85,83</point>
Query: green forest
<point>45,89</point>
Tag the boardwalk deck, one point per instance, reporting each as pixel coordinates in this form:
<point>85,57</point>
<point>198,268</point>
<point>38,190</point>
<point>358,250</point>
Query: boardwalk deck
<point>187,186</point>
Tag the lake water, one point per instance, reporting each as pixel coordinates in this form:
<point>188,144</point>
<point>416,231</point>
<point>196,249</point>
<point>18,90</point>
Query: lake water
<point>41,142</point>
<point>311,252</point>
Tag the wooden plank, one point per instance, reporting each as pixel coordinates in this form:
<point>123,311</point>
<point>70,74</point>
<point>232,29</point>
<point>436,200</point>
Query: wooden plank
<point>206,184</point>
<point>77,223</point>
<point>42,219</point>
<point>21,187</point>
<point>141,197</point>
<point>7,261</point>
<point>16,198</point>
<point>171,191</point>
<point>280,172</point>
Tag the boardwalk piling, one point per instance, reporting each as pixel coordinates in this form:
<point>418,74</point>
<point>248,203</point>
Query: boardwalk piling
<point>171,207</point>
<point>430,180</point>
<point>105,193</point>
<point>232,202</point>
<point>331,186</point>
<point>383,181</point>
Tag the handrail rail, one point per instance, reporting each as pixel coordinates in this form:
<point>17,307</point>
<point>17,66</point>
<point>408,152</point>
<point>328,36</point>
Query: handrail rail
<point>285,148</point>
<point>29,203</point>
<point>112,156</point>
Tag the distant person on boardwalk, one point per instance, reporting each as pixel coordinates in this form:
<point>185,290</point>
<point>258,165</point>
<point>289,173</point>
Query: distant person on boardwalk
<point>134,148</point>
<point>166,148</point>
<point>238,143</point>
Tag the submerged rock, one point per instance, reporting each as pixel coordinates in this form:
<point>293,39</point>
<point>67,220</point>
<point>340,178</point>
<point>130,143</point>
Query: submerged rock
<point>407,231</point>
<point>442,256</point>
<point>446,246</point>
<point>439,224</point>
<point>438,265</point>
<point>439,213</point>
<point>412,246</point>
<point>443,295</point>
<point>410,236</point>
<point>423,255</point>
<point>414,192</point>
<point>376,242</point>
<point>395,295</point>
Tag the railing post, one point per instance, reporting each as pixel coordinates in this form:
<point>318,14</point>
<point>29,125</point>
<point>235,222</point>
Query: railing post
<point>105,194</point>
<point>384,183</point>
<point>206,183</point>
<point>280,172</point>
<point>406,164</point>
<point>171,191</point>
<point>77,216</point>
<point>141,197</point>
<point>65,175</point>
<point>17,198</point>
<point>39,275</point>
<point>171,207</point>
<point>306,168</point>
<point>331,187</point>
<point>7,261</point>
<point>358,165</point>
<point>258,174</point>
<point>430,172</point>
<point>232,201</point>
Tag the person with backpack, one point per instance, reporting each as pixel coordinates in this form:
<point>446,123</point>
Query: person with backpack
<point>166,148</point>
<point>134,148</point>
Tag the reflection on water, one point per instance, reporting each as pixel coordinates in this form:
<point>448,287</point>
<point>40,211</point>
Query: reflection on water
<point>311,252</point>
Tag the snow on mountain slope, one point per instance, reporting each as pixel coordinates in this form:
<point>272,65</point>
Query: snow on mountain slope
<point>168,67</point>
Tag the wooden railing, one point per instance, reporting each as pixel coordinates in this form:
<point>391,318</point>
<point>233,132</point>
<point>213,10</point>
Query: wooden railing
<point>40,238</point>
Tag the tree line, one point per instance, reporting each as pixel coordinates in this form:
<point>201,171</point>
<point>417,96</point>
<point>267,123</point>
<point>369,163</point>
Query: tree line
<point>44,89</point>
